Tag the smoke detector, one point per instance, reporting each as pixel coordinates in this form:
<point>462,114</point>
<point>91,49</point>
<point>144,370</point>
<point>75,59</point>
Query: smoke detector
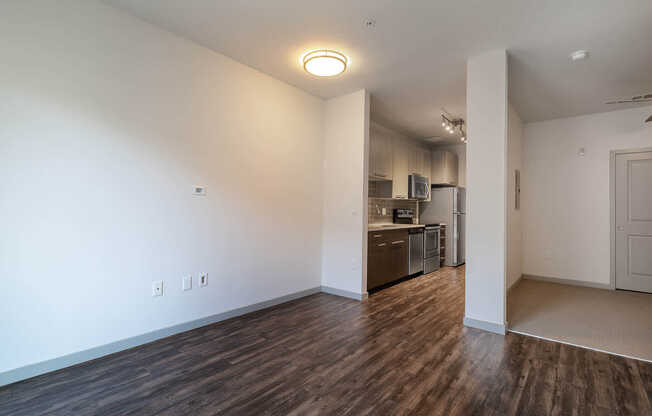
<point>579,55</point>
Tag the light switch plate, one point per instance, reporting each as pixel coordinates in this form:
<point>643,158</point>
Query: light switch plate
<point>186,283</point>
<point>203,279</point>
<point>157,288</point>
<point>199,190</point>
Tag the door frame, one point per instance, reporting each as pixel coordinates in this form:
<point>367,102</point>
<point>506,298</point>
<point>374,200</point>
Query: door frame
<point>612,207</point>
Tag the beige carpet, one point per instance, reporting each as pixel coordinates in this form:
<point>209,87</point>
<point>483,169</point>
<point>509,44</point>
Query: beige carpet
<point>619,322</point>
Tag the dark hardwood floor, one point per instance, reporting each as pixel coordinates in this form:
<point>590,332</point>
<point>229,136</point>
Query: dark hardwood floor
<point>404,351</point>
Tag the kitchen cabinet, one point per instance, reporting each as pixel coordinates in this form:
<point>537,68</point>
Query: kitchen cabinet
<point>415,160</point>
<point>427,168</point>
<point>427,163</point>
<point>444,168</point>
<point>378,264</point>
<point>400,169</point>
<point>388,257</point>
<point>399,256</point>
<point>380,152</point>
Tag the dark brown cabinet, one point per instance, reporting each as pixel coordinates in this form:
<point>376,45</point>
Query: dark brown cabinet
<point>378,264</point>
<point>399,254</point>
<point>388,257</point>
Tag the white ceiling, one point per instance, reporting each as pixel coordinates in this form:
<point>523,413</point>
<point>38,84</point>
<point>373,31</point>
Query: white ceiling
<point>413,61</point>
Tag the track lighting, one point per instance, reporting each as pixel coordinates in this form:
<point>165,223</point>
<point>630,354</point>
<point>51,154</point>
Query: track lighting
<point>454,126</point>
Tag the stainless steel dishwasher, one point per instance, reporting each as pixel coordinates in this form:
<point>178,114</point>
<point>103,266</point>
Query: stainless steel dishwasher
<point>416,250</point>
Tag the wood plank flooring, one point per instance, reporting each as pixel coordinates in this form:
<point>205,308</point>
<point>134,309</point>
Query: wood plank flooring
<point>403,351</point>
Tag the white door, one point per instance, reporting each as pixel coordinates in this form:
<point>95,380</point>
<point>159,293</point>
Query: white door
<point>634,221</point>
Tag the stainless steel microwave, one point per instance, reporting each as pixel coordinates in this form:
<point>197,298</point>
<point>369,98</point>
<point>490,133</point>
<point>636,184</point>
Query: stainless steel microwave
<point>418,187</point>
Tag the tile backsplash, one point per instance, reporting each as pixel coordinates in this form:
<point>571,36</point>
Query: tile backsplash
<point>380,194</point>
<point>376,206</point>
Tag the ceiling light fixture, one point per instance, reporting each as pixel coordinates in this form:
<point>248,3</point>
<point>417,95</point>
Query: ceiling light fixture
<point>454,126</point>
<point>324,63</point>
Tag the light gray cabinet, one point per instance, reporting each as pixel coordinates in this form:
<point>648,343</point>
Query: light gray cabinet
<point>415,160</point>
<point>427,168</point>
<point>400,168</point>
<point>380,154</point>
<point>444,168</point>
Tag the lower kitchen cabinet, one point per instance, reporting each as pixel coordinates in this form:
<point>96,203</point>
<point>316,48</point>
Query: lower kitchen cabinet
<point>388,257</point>
<point>399,258</point>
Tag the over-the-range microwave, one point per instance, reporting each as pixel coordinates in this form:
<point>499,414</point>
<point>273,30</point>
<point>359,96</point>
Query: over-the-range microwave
<point>418,187</point>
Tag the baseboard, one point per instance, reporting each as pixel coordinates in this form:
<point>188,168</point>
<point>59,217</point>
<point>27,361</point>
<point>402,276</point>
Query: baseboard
<point>494,327</point>
<point>515,284</point>
<point>58,363</point>
<point>344,293</point>
<point>568,282</point>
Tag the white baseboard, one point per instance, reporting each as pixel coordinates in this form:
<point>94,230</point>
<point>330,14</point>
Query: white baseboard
<point>568,282</point>
<point>509,289</point>
<point>344,293</point>
<point>494,327</point>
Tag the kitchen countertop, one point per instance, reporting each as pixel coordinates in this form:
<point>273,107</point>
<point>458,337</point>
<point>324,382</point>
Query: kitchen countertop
<point>390,227</point>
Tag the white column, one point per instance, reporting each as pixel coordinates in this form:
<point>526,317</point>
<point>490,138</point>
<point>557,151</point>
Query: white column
<point>487,109</point>
<point>344,216</point>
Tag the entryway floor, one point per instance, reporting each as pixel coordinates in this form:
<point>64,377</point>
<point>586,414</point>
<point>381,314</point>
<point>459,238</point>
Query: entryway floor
<point>618,322</point>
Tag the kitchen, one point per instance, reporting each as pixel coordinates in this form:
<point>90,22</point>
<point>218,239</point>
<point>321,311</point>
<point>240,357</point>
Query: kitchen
<point>416,204</point>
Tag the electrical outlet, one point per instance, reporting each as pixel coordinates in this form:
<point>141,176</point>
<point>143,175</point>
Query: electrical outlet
<point>203,279</point>
<point>186,283</point>
<point>157,288</point>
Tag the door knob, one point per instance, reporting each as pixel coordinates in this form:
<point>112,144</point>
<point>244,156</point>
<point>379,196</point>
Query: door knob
<point>620,228</point>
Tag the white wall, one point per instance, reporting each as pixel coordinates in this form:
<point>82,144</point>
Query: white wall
<point>105,125</point>
<point>486,190</point>
<point>460,151</point>
<point>566,196</point>
<point>344,239</point>
<point>514,226</point>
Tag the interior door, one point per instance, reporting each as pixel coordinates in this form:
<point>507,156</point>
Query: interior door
<point>634,221</point>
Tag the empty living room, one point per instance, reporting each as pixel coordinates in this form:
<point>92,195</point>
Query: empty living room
<point>289,207</point>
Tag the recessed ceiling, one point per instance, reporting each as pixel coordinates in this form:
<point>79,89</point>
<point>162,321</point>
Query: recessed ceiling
<point>413,59</point>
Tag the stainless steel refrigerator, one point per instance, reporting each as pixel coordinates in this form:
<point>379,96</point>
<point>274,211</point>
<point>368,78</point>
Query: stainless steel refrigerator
<point>448,206</point>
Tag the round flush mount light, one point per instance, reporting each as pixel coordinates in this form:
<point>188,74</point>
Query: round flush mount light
<point>325,63</point>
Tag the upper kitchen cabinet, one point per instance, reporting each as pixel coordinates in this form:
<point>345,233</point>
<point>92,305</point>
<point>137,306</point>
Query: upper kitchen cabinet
<point>419,161</point>
<point>426,164</point>
<point>444,168</point>
<point>400,167</point>
<point>415,160</point>
<point>380,154</point>
<point>427,168</point>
